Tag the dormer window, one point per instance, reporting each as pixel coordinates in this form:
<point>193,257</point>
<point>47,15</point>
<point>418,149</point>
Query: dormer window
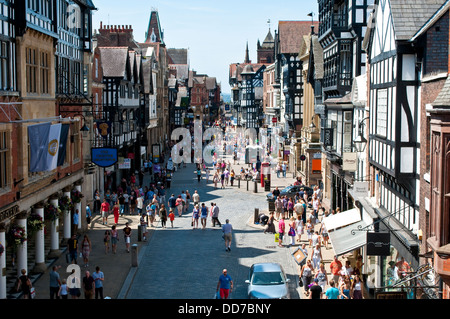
<point>153,36</point>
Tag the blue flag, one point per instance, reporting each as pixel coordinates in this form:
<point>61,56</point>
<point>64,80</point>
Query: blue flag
<point>38,140</point>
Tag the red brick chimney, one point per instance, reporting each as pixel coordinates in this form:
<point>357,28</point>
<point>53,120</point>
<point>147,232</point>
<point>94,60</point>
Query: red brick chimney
<point>115,36</point>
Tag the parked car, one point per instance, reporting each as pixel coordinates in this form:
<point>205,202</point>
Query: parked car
<point>291,191</point>
<point>267,281</point>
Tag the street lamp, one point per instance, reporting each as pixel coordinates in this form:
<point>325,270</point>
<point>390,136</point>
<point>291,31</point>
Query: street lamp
<point>360,141</point>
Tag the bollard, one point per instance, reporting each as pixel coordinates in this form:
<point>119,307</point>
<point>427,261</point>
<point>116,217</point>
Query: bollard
<point>134,255</point>
<point>256,216</point>
<point>247,184</point>
<point>239,183</point>
<point>255,190</point>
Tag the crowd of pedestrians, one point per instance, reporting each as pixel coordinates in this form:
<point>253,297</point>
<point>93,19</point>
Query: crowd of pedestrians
<point>302,215</point>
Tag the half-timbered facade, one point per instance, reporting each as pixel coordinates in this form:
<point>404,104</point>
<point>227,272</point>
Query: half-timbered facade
<point>394,133</point>
<point>341,32</point>
<point>122,79</point>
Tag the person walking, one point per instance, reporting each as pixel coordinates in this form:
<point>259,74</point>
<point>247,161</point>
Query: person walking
<point>203,215</point>
<point>163,215</point>
<point>344,292</point>
<point>199,174</point>
<point>332,292</point>
<point>63,290</point>
<point>97,202</point>
<point>316,256</point>
<point>188,201</point>
<point>88,214</point>
<point>55,282</point>
<point>357,288</point>
<point>127,236</point>
<point>270,225</point>
<point>116,212</point>
<point>88,286</point>
<point>75,221</point>
<point>215,179</point>
<point>316,290</point>
<point>215,215</point>
<point>290,207</point>
<point>105,211</point>
<point>179,205</point>
<point>227,229</point>
<point>114,239</point>
<point>335,268</point>
<point>107,240</point>
<point>72,245</point>
<point>306,275</point>
<point>86,249</point>
<point>278,207</point>
<point>281,229</point>
<point>196,198</point>
<point>291,232</point>
<point>171,217</point>
<point>321,276</point>
<point>195,217</point>
<point>225,284</point>
<point>99,278</point>
<point>143,224</point>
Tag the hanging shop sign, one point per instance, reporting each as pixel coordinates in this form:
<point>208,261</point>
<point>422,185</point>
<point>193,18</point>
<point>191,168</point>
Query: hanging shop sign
<point>349,161</point>
<point>104,156</point>
<point>104,128</point>
<point>328,137</point>
<point>378,243</point>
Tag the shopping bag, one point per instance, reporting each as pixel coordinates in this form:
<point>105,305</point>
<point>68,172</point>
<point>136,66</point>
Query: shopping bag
<point>32,292</point>
<point>277,237</point>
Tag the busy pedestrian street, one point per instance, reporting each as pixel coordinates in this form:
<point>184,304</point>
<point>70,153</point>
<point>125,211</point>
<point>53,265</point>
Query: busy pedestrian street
<point>185,262</point>
<point>147,152</point>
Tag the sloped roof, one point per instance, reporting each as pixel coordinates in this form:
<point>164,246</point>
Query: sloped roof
<point>268,41</point>
<point>443,98</point>
<point>236,69</point>
<point>178,56</point>
<point>211,83</point>
<point>290,34</point>
<point>409,16</point>
<point>114,61</point>
<point>154,26</point>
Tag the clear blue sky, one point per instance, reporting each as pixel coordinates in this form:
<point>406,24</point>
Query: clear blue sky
<point>215,32</point>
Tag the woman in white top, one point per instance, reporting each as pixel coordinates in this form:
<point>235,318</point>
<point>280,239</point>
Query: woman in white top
<point>357,288</point>
<point>321,275</point>
<point>316,256</point>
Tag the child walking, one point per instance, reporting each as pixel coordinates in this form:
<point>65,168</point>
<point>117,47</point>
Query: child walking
<point>171,217</point>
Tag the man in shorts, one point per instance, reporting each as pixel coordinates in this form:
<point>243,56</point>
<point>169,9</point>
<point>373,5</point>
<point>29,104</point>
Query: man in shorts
<point>225,284</point>
<point>105,211</point>
<point>227,234</point>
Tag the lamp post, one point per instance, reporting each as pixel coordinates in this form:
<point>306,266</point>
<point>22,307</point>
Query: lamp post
<point>360,141</point>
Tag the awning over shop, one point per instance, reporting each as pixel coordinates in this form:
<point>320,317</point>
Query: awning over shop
<point>342,219</point>
<point>348,238</point>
